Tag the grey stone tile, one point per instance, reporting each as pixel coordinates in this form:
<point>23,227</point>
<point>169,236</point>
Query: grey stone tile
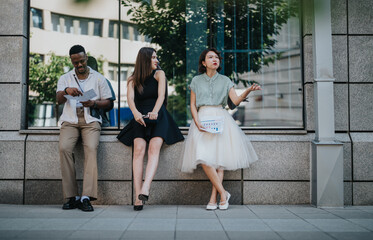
<point>289,225</point>
<point>247,225</point>
<point>363,155</point>
<point>11,102</point>
<point>198,225</point>
<point>170,163</point>
<point>305,209</point>
<point>208,235</point>
<point>352,235</point>
<point>236,212</point>
<point>189,192</point>
<point>114,159</point>
<point>42,162</point>
<point>364,208</point>
<point>50,192</point>
<point>317,216</point>
<point>12,155</point>
<point>363,193</point>
<point>276,192</point>
<point>158,235</point>
<point>43,192</point>
<point>280,160</point>
<point>12,69</point>
<point>45,234</point>
<point>339,44</point>
<point>19,224</point>
<point>158,211</point>
<point>308,59</point>
<point>356,23</point>
<point>108,224</point>
<point>99,234</point>
<point>9,234</point>
<point>114,192</point>
<point>335,225</point>
<point>309,107</point>
<point>57,224</point>
<point>307,16</point>
<point>339,16</point>
<point>347,158</point>
<point>11,191</point>
<point>118,212</point>
<point>195,212</point>
<point>277,216</point>
<point>365,223</point>
<point>268,209</point>
<point>253,235</point>
<point>347,191</point>
<point>13,16</point>
<point>360,58</point>
<point>340,106</point>
<point>304,235</point>
<point>352,214</point>
<point>152,224</point>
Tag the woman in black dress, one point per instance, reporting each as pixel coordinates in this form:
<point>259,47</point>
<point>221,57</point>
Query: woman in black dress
<point>152,124</point>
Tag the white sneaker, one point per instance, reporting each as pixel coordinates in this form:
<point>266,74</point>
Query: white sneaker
<point>211,206</point>
<point>226,204</point>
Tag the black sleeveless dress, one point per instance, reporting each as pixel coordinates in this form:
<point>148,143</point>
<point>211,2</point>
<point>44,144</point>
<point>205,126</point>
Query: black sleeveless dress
<point>164,127</point>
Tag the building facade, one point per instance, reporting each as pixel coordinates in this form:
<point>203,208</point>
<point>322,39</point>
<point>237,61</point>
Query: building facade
<point>29,160</point>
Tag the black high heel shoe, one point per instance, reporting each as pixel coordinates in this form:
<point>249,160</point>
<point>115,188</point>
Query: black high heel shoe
<point>138,207</point>
<point>143,197</point>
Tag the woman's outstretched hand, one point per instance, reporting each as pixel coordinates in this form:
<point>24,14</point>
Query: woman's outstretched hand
<point>254,87</point>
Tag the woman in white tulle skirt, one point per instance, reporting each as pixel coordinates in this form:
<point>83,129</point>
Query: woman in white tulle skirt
<point>215,140</point>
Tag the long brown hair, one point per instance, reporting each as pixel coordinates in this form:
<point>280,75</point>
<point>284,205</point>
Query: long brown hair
<point>143,68</point>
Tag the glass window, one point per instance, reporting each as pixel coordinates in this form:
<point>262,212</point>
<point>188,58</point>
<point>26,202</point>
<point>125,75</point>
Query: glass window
<point>259,41</point>
<point>69,24</point>
<point>56,22</point>
<point>37,18</point>
<point>125,30</point>
<point>83,27</point>
<point>113,29</point>
<point>97,28</point>
<point>136,34</point>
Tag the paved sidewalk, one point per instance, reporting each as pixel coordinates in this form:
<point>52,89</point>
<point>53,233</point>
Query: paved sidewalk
<point>186,222</point>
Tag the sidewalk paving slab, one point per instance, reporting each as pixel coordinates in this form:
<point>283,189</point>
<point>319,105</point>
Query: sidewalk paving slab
<point>192,222</point>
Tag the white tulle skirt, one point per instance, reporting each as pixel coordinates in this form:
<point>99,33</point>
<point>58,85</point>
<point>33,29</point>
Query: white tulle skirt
<point>230,150</point>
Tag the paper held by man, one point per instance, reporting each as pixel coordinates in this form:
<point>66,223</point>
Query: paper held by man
<point>88,95</point>
<point>213,124</point>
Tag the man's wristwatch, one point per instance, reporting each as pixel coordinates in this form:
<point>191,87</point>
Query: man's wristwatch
<point>65,90</point>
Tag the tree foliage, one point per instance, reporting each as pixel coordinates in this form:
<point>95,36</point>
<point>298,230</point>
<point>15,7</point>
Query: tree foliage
<point>43,77</point>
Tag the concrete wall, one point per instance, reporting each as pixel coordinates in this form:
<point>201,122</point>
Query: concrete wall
<point>29,162</point>
<point>352,29</point>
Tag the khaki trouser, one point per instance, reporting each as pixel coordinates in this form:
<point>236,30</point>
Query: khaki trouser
<point>69,135</point>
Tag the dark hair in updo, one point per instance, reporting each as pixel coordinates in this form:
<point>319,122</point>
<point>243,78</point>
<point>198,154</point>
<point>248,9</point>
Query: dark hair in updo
<point>202,57</point>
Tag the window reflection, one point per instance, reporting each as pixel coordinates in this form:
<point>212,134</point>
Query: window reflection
<point>259,41</point>
<point>37,18</point>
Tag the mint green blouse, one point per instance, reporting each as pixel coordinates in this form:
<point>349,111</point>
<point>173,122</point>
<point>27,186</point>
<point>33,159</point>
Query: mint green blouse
<point>211,91</point>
